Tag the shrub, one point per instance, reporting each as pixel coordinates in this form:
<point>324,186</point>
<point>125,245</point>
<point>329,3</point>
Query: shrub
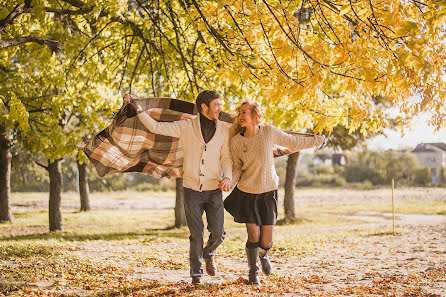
<point>324,169</point>
<point>321,180</point>
<point>422,176</point>
<point>365,185</point>
<point>443,176</point>
<point>339,181</point>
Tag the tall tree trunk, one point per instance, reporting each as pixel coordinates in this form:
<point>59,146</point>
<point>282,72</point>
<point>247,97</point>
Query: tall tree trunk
<point>55,215</point>
<point>288,203</point>
<point>5,177</point>
<point>180,214</point>
<point>84,190</point>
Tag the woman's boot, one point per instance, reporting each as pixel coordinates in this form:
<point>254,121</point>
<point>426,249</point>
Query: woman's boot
<point>252,254</point>
<point>264,259</point>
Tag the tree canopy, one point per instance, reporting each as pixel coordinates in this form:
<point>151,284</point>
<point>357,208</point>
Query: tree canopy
<point>327,59</point>
<point>315,64</point>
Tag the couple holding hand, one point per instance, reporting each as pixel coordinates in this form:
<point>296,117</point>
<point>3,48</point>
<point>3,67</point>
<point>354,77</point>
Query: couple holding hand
<point>216,158</point>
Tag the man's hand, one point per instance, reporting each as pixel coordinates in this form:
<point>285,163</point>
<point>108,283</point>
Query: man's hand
<point>128,98</point>
<point>224,184</point>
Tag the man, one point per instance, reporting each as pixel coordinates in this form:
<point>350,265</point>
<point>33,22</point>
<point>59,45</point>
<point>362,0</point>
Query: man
<point>207,170</point>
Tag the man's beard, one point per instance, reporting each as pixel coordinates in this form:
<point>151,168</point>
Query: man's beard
<point>211,115</point>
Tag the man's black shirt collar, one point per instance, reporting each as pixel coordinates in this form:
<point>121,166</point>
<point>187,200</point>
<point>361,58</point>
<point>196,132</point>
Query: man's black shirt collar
<point>208,128</point>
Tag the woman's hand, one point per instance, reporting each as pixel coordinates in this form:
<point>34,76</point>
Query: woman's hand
<point>323,143</point>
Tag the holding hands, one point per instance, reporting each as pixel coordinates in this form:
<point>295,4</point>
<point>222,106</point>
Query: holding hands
<point>224,184</point>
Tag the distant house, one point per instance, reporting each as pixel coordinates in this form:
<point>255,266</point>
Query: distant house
<point>432,155</point>
<point>330,159</point>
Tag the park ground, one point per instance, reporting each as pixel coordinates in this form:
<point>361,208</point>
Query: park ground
<point>342,244</point>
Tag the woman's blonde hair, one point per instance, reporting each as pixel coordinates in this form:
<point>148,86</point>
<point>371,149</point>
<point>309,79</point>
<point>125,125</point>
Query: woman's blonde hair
<point>256,114</point>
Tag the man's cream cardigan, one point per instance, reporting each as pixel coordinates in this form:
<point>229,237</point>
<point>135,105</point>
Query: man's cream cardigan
<point>205,164</point>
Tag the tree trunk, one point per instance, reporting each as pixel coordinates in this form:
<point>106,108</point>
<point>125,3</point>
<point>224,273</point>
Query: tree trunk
<point>5,177</point>
<point>288,203</point>
<point>84,190</point>
<point>180,214</point>
<point>55,215</point>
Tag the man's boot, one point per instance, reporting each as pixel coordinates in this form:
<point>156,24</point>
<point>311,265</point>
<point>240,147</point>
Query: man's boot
<point>211,267</point>
<point>264,259</point>
<point>252,255</point>
<point>196,280</point>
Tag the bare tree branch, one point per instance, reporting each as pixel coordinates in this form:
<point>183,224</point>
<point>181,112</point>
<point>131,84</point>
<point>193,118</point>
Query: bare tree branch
<point>136,67</point>
<point>41,165</point>
<point>4,69</point>
<point>68,11</point>
<point>75,3</point>
<point>53,44</point>
<point>18,10</point>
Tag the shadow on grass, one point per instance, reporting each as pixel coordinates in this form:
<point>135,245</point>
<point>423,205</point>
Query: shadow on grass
<point>8,286</point>
<point>387,233</point>
<point>168,232</point>
<point>295,221</point>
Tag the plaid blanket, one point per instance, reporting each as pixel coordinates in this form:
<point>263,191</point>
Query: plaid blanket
<point>126,145</point>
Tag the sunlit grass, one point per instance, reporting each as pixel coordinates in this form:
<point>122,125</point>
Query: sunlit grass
<point>401,206</point>
<point>28,198</point>
<point>99,218</point>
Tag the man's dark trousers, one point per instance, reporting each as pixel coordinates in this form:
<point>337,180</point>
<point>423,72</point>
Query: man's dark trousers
<point>195,203</point>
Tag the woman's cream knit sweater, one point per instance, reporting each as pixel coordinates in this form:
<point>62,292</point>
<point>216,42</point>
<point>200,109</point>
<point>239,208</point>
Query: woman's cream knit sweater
<point>253,160</point>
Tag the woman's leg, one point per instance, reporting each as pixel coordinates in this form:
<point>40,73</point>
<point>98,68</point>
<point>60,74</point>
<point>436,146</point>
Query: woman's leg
<point>252,252</point>
<point>265,243</point>
<point>253,232</point>
<point>266,236</point>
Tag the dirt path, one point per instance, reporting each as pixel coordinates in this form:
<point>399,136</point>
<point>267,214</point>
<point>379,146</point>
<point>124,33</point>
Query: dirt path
<point>415,257</point>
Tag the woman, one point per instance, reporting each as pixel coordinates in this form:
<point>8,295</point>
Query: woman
<point>254,200</point>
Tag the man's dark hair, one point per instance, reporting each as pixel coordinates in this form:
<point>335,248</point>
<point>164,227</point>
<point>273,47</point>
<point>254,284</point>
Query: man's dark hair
<point>206,97</point>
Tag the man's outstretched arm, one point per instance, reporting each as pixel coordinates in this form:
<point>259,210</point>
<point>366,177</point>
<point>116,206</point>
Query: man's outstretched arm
<point>173,129</point>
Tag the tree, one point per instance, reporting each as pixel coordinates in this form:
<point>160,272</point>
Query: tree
<point>381,167</point>
<point>443,175</point>
<point>5,171</point>
<point>180,214</point>
<point>290,178</point>
<point>84,190</point>
<point>400,167</point>
<point>43,91</point>
<point>422,176</point>
<point>56,184</point>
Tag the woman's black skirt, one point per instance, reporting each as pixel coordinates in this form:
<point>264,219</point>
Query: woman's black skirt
<point>260,209</point>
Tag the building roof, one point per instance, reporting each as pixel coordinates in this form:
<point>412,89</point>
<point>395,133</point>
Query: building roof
<point>335,158</point>
<point>430,147</point>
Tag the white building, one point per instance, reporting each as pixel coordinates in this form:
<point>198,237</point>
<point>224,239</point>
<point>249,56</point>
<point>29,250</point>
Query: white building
<point>432,155</point>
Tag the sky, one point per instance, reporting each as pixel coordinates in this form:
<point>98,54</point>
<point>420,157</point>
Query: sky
<point>420,133</point>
